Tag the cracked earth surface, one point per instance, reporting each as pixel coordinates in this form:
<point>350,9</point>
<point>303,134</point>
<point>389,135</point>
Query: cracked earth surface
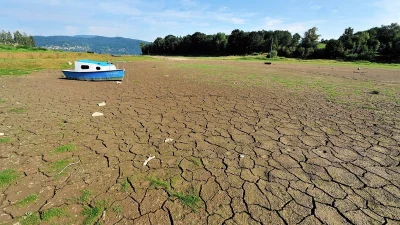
<point>253,155</point>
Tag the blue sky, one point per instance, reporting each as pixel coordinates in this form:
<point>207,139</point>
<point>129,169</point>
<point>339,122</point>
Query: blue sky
<point>149,19</point>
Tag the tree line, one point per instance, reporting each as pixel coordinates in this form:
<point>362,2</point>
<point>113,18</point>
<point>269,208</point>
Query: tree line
<point>17,38</point>
<point>378,41</point>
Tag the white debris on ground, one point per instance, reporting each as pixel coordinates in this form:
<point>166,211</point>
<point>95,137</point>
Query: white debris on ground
<point>119,82</point>
<point>18,103</point>
<point>167,140</point>
<point>70,63</point>
<point>104,215</point>
<point>241,156</point>
<point>1,134</point>
<point>97,114</point>
<point>148,160</point>
<point>101,104</point>
<point>167,75</point>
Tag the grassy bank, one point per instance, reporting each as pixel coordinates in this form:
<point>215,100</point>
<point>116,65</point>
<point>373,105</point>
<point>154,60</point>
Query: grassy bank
<point>326,62</point>
<point>21,60</point>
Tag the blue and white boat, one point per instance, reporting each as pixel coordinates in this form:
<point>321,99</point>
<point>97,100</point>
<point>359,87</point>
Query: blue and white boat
<point>94,70</point>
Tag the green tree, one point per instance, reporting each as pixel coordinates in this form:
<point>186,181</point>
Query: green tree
<point>18,38</point>
<point>255,41</point>
<point>360,41</point>
<point>334,49</point>
<point>296,39</point>
<point>186,45</point>
<point>3,37</point>
<point>388,37</point>
<point>144,48</point>
<point>310,42</point>
<point>221,42</point>
<point>171,43</point>
<point>274,54</point>
<point>348,41</point>
<point>9,38</point>
<point>198,41</point>
<point>237,42</point>
<point>159,46</point>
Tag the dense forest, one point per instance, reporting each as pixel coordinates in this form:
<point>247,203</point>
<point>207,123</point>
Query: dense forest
<point>381,41</point>
<point>90,43</point>
<point>17,38</point>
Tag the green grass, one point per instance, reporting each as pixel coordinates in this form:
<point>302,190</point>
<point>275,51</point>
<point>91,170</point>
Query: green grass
<point>253,58</point>
<point>335,89</point>
<point>7,176</point>
<point>326,62</point>
<point>12,48</point>
<point>52,213</point>
<point>16,72</point>
<point>17,110</point>
<point>46,216</point>
<point>5,140</point>
<point>66,148</point>
<point>157,183</point>
<point>93,213</point>
<point>58,166</point>
<point>85,196</point>
<point>28,200</point>
<point>321,46</point>
<point>117,209</point>
<point>20,61</point>
<point>192,201</point>
<point>200,66</point>
<point>30,219</point>
<point>289,82</point>
<point>2,101</point>
<point>196,161</point>
<point>125,187</point>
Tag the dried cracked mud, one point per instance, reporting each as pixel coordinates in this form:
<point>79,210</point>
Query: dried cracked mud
<point>239,154</point>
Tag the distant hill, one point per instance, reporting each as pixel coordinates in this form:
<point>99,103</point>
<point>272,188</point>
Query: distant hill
<point>85,43</point>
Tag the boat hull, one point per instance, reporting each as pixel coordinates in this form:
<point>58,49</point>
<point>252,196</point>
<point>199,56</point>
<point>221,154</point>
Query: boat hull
<point>115,75</point>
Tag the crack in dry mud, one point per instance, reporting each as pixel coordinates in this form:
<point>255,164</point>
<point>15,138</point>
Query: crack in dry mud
<point>305,160</point>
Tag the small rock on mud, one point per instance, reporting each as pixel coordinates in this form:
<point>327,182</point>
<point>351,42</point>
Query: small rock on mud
<point>97,114</point>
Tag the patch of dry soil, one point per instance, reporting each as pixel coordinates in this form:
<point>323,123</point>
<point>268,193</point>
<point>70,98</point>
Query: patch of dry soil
<point>253,155</point>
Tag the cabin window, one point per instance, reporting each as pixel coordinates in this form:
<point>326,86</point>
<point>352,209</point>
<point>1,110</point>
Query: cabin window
<point>98,68</point>
<point>85,67</point>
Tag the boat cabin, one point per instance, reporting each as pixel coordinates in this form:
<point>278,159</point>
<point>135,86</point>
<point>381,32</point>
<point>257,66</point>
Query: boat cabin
<point>91,66</point>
